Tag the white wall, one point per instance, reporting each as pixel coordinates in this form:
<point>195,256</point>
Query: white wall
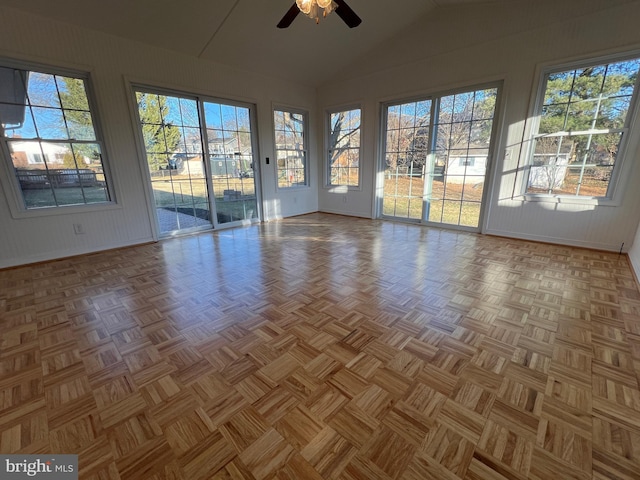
<point>634,254</point>
<point>112,62</point>
<point>463,46</point>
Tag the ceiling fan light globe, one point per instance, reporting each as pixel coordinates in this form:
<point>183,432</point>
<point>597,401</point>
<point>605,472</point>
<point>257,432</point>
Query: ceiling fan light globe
<point>324,3</point>
<point>304,6</point>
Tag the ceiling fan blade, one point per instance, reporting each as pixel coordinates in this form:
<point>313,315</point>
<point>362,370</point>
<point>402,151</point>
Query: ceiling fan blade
<point>289,17</point>
<point>347,15</point>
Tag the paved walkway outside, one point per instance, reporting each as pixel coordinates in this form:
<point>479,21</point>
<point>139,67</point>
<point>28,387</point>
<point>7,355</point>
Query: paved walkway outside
<point>170,221</point>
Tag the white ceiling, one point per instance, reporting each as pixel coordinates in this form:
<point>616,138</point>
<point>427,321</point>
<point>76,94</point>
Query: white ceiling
<point>243,33</point>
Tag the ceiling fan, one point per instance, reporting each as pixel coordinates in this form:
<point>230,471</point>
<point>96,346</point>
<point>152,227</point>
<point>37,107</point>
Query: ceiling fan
<point>311,8</point>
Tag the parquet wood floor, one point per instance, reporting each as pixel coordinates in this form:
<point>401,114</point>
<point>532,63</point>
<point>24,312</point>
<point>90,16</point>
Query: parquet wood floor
<point>326,347</point>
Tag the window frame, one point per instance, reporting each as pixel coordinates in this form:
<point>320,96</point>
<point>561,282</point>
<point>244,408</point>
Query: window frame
<point>305,149</point>
<point>629,131</point>
<point>9,181</point>
<point>327,164</point>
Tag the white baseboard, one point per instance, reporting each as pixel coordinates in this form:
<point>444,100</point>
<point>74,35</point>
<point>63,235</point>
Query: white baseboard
<point>345,213</point>
<point>557,241</point>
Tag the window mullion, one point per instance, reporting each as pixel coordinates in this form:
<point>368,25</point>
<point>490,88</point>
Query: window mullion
<point>204,138</point>
<point>431,158</point>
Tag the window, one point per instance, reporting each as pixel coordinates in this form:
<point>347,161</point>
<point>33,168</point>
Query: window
<point>49,132</point>
<point>36,158</point>
<point>467,162</point>
<point>291,151</point>
<point>583,119</point>
<point>344,148</point>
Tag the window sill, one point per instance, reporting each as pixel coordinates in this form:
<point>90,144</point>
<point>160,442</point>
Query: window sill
<point>570,200</point>
<point>69,210</point>
<point>342,188</point>
<point>293,188</point>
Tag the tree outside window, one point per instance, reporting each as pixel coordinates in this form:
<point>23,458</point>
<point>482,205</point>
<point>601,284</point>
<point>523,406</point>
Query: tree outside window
<point>344,148</point>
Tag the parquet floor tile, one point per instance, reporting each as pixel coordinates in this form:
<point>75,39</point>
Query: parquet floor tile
<point>326,347</point>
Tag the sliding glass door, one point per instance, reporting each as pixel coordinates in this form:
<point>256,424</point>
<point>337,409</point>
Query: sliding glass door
<point>200,159</point>
<point>230,152</point>
<point>173,144</point>
<point>408,129</point>
<point>436,153</point>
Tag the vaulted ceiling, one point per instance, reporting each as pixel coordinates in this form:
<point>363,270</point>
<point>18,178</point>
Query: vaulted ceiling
<point>243,33</point>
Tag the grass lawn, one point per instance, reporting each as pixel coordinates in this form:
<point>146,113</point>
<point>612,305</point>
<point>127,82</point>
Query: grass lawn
<point>451,203</point>
<point>189,196</point>
<point>590,186</point>
<point>174,192</point>
<point>44,197</point>
<point>455,204</point>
